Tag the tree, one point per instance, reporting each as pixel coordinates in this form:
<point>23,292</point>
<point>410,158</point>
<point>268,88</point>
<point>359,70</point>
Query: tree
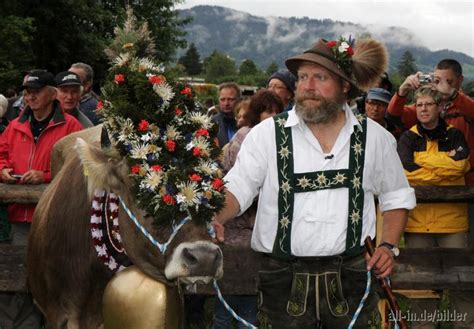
<point>64,32</point>
<point>248,67</point>
<point>191,61</point>
<point>219,67</point>
<point>273,67</point>
<point>16,54</point>
<point>407,65</point>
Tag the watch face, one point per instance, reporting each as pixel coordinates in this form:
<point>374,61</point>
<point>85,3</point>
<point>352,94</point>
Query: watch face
<point>396,251</point>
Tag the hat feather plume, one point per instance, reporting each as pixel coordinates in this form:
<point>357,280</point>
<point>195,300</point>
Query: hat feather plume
<point>370,61</point>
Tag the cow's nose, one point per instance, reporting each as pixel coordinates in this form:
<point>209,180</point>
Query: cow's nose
<point>202,261</point>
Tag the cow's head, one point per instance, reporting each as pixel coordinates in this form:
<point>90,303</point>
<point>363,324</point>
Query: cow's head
<point>190,257</point>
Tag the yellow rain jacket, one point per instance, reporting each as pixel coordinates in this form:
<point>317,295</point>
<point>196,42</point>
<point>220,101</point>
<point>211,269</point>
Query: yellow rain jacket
<point>435,157</point>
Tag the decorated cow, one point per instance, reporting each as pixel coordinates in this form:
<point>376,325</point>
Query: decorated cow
<point>144,195</point>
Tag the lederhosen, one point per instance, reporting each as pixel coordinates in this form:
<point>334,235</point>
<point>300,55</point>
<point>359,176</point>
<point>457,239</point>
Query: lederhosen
<point>285,287</point>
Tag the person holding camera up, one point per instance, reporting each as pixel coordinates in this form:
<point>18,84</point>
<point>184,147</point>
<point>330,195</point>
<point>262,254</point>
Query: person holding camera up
<point>456,108</point>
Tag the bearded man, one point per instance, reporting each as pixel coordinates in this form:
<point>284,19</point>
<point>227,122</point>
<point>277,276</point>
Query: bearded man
<point>317,169</point>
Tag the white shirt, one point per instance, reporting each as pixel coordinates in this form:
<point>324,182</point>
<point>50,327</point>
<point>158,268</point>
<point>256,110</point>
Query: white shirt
<point>320,217</point>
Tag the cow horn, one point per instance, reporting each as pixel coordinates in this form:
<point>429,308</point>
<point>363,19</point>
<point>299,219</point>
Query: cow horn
<point>104,138</point>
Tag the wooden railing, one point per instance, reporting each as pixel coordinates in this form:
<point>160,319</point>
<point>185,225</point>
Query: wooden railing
<point>416,268</point>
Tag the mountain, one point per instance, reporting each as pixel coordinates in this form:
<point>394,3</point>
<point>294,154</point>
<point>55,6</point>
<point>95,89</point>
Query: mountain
<point>266,39</point>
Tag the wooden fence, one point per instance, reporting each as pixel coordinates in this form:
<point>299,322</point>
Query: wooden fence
<point>416,268</point>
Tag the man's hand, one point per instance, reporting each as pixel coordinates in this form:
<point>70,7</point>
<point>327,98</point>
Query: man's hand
<point>411,83</point>
<point>33,177</point>
<point>6,176</point>
<point>381,261</point>
<point>219,228</point>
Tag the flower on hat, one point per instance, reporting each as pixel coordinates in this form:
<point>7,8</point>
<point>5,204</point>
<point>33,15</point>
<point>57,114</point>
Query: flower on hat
<point>342,50</point>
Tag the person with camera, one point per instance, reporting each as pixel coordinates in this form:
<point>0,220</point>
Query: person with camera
<point>456,108</point>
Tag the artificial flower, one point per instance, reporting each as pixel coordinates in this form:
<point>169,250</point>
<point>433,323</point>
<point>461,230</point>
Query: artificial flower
<point>119,79</point>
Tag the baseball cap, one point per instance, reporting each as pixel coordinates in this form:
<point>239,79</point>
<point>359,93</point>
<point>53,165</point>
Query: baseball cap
<point>38,79</point>
<point>68,78</point>
<point>379,94</point>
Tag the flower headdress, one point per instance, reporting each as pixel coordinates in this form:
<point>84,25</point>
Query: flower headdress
<point>343,50</point>
<point>167,139</point>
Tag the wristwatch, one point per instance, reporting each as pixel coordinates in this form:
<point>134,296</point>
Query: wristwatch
<point>394,249</point>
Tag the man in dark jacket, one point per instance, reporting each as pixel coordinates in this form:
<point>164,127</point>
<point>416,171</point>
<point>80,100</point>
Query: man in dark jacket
<point>229,96</point>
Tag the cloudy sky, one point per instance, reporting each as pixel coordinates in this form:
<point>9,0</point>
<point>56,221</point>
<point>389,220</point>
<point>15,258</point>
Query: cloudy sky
<point>437,24</point>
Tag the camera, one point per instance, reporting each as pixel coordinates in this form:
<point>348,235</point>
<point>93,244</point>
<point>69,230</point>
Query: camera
<point>17,176</point>
<point>425,78</point>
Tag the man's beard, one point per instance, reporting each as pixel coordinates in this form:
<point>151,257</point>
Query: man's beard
<point>325,111</point>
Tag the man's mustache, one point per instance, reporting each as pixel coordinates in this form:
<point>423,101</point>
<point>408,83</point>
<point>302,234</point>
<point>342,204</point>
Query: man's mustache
<point>309,96</point>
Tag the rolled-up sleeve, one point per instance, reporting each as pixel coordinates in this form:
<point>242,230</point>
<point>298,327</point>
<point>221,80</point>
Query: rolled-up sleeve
<point>247,175</point>
<point>391,184</point>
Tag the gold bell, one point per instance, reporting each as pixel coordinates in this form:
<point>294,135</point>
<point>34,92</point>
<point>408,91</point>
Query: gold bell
<point>133,300</point>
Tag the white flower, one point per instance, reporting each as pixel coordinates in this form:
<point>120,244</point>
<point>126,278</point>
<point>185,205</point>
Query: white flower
<point>95,219</point>
<point>189,192</point>
<point>112,263</point>
<point>285,186</point>
<point>122,59</point>
<point>303,182</point>
<point>356,182</point>
<point>146,64</point>
<point>284,222</point>
<point>357,148</point>
<point>207,167</point>
<point>281,122</point>
<point>201,119</point>
<point>340,178</point>
<point>165,91</point>
<point>284,152</point>
<point>96,233</point>
<point>343,47</point>
<point>355,217</point>
<point>153,180</point>
<point>173,133</point>
<point>139,151</point>
<point>101,250</point>
<point>146,137</point>
<point>127,131</point>
<point>321,179</point>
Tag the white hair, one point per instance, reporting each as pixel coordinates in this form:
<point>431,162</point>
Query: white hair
<point>3,105</point>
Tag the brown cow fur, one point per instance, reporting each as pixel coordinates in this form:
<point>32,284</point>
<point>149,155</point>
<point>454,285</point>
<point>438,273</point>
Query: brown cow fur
<point>65,276</point>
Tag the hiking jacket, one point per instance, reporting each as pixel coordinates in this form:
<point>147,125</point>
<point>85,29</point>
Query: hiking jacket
<point>428,159</point>
<point>459,113</point>
<point>19,151</point>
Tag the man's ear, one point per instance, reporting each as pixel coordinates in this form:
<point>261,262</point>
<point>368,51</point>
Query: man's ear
<point>346,87</point>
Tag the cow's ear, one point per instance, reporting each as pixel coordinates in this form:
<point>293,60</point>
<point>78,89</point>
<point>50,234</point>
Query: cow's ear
<point>104,168</point>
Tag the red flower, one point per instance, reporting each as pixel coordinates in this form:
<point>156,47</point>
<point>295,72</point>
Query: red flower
<point>119,78</point>
<point>202,132</point>
<point>143,125</point>
<point>218,184</point>
<point>178,111</point>
<point>168,199</point>
<point>156,168</point>
<point>155,79</point>
<point>350,51</point>
<point>170,145</point>
<point>195,178</point>
<point>135,169</point>
<point>331,44</point>
<point>196,151</point>
<point>187,91</point>
<point>100,106</point>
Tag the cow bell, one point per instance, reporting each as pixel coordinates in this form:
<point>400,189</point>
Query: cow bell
<point>132,299</point>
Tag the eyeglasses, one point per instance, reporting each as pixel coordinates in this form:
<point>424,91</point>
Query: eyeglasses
<point>428,104</point>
